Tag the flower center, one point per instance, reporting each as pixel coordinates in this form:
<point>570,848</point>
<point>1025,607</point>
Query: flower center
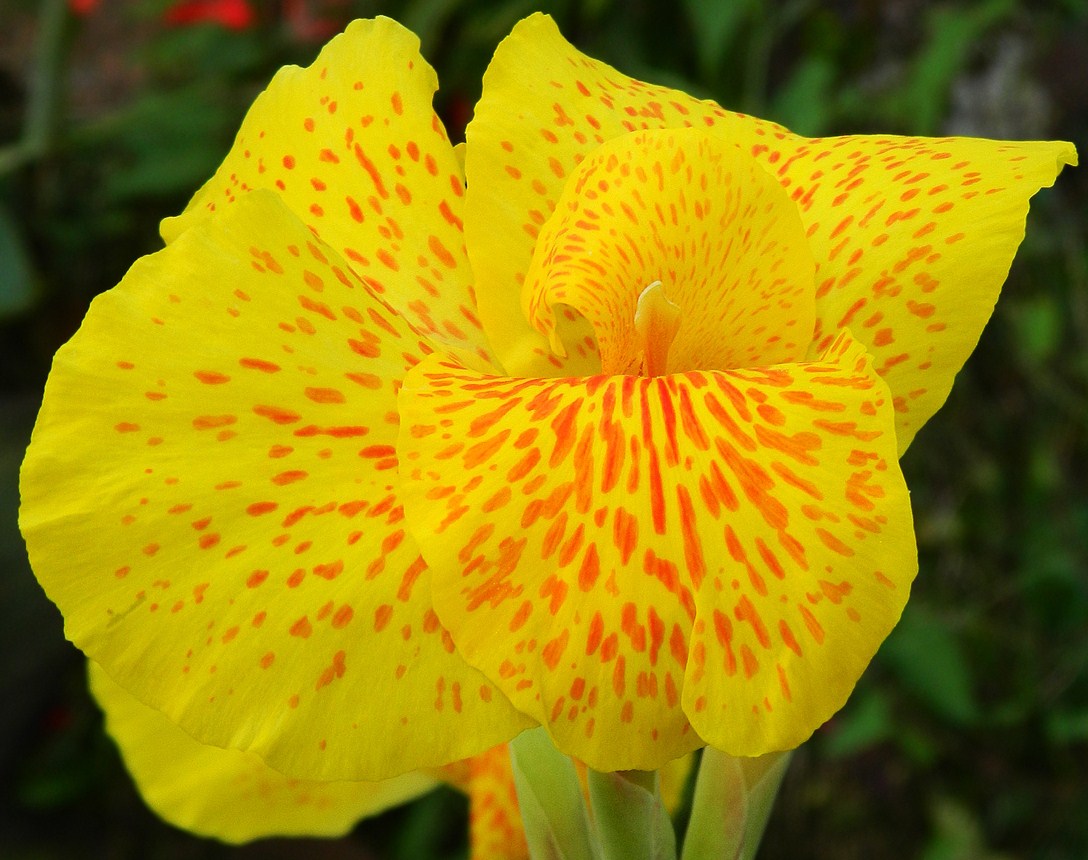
<point>657,320</point>
<point>685,208</point>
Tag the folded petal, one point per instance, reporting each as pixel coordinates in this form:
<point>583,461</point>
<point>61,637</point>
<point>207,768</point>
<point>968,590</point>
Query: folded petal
<point>229,794</point>
<point>622,555</point>
<point>696,214</point>
<point>210,498</point>
<point>355,149</point>
<point>913,238</point>
<point>546,106</point>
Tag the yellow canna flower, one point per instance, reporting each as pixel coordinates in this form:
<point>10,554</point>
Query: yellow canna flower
<point>386,457</point>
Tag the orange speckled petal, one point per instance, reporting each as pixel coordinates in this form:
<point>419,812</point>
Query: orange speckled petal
<point>210,498</point>
<point>495,829</point>
<point>229,794</point>
<point>697,215</point>
<point>355,149</point>
<point>913,238</point>
<point>621,555</point>
<point>546,106</point>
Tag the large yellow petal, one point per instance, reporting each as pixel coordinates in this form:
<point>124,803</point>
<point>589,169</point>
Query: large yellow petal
<point>622,555</point>
<point>210,498</point>
<point>546,106</point>
<point>815,585</point>
<point>355,149</point>
<point>913,238</point>
<point>229,794</point>
<point>697,215</point>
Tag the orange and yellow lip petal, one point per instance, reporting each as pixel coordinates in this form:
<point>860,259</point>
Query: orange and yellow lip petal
<point>807,590</point>
<point>536,519</point>
<point>623,555</point>
<point>353,146</point>
<point>696,215</point>
<point>210,498</point>
<point>913,238</point>
<point>229,794</point>
<point>546,106</point>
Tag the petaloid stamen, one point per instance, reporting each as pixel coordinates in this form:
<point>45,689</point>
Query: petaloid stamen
<point>656,322</point>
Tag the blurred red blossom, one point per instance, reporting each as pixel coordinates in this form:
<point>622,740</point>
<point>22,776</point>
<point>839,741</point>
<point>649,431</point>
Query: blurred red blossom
<point>233,14</point>
<point>315,22</point>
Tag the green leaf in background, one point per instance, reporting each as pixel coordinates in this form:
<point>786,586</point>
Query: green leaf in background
<point>715,27</point>
<point>927,658</point>
<point>171,143</point>
<point>427,18</point>
<point>16,274</point>
<point>864,722</point>
<point>1039,326</point>
<point>957,834</point>
<point>1068,727</point>
<point>952,32</point>
<point>434,826</point>
<point>803,103</point>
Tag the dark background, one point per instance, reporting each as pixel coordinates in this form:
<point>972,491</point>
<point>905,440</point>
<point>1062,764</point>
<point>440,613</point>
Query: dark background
<point>967,739</point>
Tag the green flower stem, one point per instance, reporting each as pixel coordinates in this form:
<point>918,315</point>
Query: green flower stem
<point>631,820</point>
<point>553,811</point>
<point>46,82</point>
<point>626,819</point>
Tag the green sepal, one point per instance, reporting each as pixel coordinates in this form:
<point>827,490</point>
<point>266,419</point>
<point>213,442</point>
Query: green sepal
<point>761,796</point>
<point>728,815</point>
<point>553,811</point>
<point>719,810</point>
<point>631,821</point>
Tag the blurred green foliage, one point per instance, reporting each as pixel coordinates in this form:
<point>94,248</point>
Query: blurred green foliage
<point>967,738</point>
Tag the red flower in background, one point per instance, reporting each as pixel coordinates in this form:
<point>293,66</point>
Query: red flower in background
<point>233,14</point>
<point>307,21</point>
<point>308,24</point>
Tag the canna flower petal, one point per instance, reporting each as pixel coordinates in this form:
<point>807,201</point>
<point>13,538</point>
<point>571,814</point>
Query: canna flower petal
<point>229,794</point>
<point>210,498</point>
<point>495,829</point>
<point>912,237</point>
<point>697,215</point>
<point>644,565</point>
<point>546,106</point>
<point>353,146</point>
